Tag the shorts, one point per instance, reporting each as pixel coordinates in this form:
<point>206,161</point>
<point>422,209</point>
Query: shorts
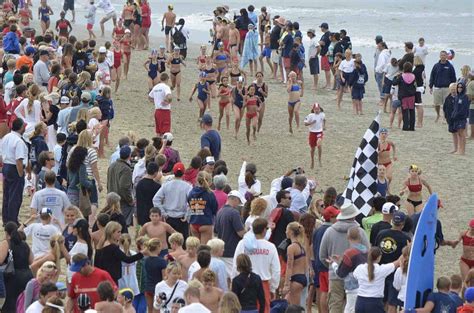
<point>387,86</point>
<point>339,83</point>
<point>418,100</point>
<point>325,66</point>
<point>324,281</point>
<point>286,62</point>
<point>471,116</point>
<point>110,15</point>
<point>439,95</point>
<point>396,104</point>
<point>168,30</point>
<point>314,66</point>
<point>347,77</point>
<point>459,124</point>
<point>243,33</point>
<point>89,26</point>
<point>162,121</point>
<point>314,137</point>
<point>267,52</point>
<point>390,293</point>
<point>357,93</point>
<point>68,5</point>
<point>275,56</point>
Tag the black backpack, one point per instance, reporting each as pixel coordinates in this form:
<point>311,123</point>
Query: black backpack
<point>178,36</point>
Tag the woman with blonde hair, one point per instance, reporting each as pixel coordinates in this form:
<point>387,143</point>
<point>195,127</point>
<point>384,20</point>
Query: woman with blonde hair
<point>83,115</point>
<point>172,282</point>
<point>129,270</point>
<point>420,76</point>
<point>109,257</point>
<point>29,109</point>
<point>56,252</point>
<point>203,208</point>
<point>229,303</point>
<point>95,127</point>
<point>48,273</point>
<point>257,209</point>
<point>414,185</point>
<point>112,209</point>
<point>38,144</point>
<point>295,278</point>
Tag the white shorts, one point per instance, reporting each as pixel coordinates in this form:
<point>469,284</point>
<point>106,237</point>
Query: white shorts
<point>275,57</point>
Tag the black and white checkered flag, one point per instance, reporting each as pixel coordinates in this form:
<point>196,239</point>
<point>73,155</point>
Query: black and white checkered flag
<point>362,185</point>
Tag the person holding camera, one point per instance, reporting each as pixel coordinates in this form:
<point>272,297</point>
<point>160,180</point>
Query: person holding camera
<point>169,289</point>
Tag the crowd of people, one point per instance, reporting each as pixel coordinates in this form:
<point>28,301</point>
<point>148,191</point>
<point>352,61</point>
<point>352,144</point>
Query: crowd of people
<point>177,238</point>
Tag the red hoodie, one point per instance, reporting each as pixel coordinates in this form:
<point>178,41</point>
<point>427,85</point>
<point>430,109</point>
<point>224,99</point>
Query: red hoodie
<point>190,175</point>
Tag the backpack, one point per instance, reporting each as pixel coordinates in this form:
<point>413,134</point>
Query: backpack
<point>178,36</point>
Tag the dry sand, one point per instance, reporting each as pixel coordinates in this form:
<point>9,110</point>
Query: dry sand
<point>276,150</point>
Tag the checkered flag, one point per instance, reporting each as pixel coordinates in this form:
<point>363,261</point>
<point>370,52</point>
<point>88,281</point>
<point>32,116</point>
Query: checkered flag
<point>362,185</point>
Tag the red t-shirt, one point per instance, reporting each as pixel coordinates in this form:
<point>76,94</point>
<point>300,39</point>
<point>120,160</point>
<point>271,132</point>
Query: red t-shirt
<point>88,285</point>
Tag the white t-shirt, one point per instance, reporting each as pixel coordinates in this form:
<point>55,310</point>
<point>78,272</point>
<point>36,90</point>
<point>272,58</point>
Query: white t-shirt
<point>248,226</point>
<point>400,283</point>
<point>57,151</point>
<point>107,6</point>
<point>158,94</point>
<point>93,123</point>
<point>193,268</point>
<point>374,288</point>
<point>316,120</point>
<point>422,52</point>
<point>313,47</point>
<point>8,91</point>
<point>129,276</point>
<point>162,286</point>
<point>40,236</point>
<point>35,307</point>
<point>79,247</point>
<point>52,198</point>
<point>194,308</point>
<point>347,66</point>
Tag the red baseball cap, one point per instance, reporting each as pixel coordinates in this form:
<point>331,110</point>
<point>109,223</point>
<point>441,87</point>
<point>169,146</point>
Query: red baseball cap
<point>471,223</point>
<point>330,212</point>
<point>178,167</point>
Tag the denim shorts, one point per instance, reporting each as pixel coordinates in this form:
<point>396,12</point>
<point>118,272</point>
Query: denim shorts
<point>396,104</point>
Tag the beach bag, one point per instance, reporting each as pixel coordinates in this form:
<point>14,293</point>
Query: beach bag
<point>178,36</point>
<point>85,205</point>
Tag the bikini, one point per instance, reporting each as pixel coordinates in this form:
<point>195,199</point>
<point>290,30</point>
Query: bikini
<point>119,32</point>
<point>251,102</point>
<point>467,241</point>
<point>210,71</point>
<point>153,70</point>
<point>300,278</point>
<point>293,89</point>
<point>389,147</point>
<point>202,95</point>
<point>224,92</point>
<point>175,61</point>
<point>415,188</point>
<point>221,57</point>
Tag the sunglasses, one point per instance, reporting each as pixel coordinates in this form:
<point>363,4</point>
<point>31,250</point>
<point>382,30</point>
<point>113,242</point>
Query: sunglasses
<point>289,198</point>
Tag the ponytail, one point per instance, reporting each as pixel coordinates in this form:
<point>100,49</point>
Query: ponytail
<point>249,179</point>
<point>55,243</point>
<point>32,95</point>
<point>125,241</point>
<point>203,180</point>
<point>12,230</point>
<point>374,254</point>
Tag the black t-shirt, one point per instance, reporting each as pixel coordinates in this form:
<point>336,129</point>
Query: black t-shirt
<point>418,72</point>
<point>327,42</point>
<point>146,190</point>
<point>275,37</point>
<point>79,61</point>
<point>391,242</point>
<point>376,229</point>
<point>279,233</point>
<point>338,47</point>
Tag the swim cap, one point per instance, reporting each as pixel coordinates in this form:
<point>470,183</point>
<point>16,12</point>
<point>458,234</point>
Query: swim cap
<point>154,52</point>
<point>471,223</point>
<point>203,75</point>
<point>127,293</point>
<point>316,106</point>
<point>384,130</point>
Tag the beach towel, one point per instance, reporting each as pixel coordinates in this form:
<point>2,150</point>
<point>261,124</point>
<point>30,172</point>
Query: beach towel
<point>250,51</point>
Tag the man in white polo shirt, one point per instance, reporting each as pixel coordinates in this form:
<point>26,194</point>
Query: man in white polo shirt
<point>15,160</point>
<point>160,95</point>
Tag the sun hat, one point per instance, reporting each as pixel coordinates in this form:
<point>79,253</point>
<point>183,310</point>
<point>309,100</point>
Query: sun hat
<point>348,211</point>
<point>281,20</point>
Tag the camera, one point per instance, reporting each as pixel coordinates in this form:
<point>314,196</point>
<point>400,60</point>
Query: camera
<point>162,296</point>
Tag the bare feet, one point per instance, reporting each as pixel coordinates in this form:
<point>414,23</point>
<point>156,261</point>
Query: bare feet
<point>453,152</point>
<point>437,119</point>
<point>291,130</point>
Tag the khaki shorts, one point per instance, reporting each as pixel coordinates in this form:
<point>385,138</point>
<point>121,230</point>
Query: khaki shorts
<point>110,15</point>
<point>439,95</point>
<point>275,57</point>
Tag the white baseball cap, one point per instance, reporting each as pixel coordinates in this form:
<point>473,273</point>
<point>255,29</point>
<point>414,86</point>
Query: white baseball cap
<point>102,50</point>
<point>168,137</point>
<point>237,194</point>
<point>389,208</point>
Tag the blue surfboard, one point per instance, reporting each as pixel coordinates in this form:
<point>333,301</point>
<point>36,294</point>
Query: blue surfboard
<point>421,267</point>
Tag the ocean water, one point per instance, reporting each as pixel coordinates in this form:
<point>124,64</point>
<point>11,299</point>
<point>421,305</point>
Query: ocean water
<point>443,24</point>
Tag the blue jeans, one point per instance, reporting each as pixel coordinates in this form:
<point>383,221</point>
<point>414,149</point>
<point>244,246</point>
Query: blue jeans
<point>13,186</point>
<point>379,81</point>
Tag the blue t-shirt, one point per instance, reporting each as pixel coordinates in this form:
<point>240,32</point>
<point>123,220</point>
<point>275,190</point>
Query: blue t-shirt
<point>456,298</point>
<point>153,266</point>
<point>443,302</point>
<point>212,140</point>
<point>317,239</point>
<point>288,42</point>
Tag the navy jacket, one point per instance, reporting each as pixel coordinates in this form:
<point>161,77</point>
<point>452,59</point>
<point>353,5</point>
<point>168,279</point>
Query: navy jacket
<point>202,206</point>
<point>442,75</point>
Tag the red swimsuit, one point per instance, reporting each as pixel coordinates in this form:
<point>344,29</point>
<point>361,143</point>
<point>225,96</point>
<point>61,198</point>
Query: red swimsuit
<point>468,241</point>
<point>251,102</point>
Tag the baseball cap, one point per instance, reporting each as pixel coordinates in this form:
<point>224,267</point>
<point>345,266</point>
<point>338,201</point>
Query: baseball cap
<point>469,294</point>
<point>64,100</point>
<point>324,25</point>
<point>86,96</point>
<point>378,37</point>
<point>127,31</point>
<point>312,31</point>
<point>209,160</point>
<point>178,167</point>
<point>389,208</point>
<point>168,137</point>
<point>102,50</point>
<point>206,119</point>
<point>383,130</point>
<point>125,152</point>
<point>30,50</point>
<point>330,212</point>
<point>61,286</point>
<point>237,194</point>
<point>399,218</point>
<point>77,265</point>
<point>83,301</point>
<point>471,223</point>
<point>45,211</point>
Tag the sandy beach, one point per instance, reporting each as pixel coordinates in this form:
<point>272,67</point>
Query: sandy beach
<point>276,151</point>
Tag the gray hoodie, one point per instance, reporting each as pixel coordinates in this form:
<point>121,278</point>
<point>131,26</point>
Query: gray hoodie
<point>335,242</point>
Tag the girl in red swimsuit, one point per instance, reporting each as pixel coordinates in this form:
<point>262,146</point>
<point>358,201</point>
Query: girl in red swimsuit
<point>414,185</point>
<point>117,68</point>
<point>251,102</point>
<point>224,93</point>
<point>119,31</point>
<point>385,149</point>
<point>126,42</point>
<point>201,59</point>
<point>467,259</point>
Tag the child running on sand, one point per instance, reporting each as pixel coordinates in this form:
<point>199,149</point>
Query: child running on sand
<point>126,44</point>
<point>202,88</point>
<point>201,59</point>
<point>156,228</point>
<point>117,68</point>
<point>295,89</point>
<point>238,94</point>
<point>224,93</point>
<point>90,16</point>
<point>152,66</point>
<point>251,117</point>
<point>316,122</point>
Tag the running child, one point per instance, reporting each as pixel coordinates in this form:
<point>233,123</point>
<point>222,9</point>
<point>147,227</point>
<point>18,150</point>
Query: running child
<point>162,57</point>
<point>151,66</point>
<point>238,94</point>
<point>251,117</point>
<point>224,93</point>
<point>467,260</point>
<point>316,122</point>
<point>117,68</point>
<point>126,44</point>
<point>44,11</point>
<point>118,31</point>
<point>382,181</point>
<point>201,59</point>
<point>174,62</point>
<point>202,88</point>
<point>295,89</point>
<point>156,228</point>
<point>267,51</point>
<point>90,16</point>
